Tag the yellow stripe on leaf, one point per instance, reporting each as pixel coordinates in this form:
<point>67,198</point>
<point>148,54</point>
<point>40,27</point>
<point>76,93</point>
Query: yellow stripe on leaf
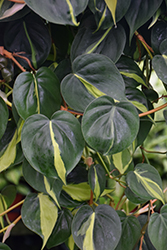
<point>58,162</point>
<point>36,93</point>
<point>88,240</point>
<point>72,13</point>
<point>150,186</point>
<point>92,89</point>
<point>97,186</point>
<point>135,77</point>
<point>50,191</point>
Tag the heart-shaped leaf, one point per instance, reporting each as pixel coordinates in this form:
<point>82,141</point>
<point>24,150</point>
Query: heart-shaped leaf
<point>96,230</point>
<point>93,75</point>
<point>58,11</point>
<point>131,231</point>
<point>108,126</point>
<point>157,229</point>
<point>3,117</point>
<point>110,42</point>
<point>31,36</point>
<point>145,182</point>
<point>62,229</point>
<point>37,93</point>
<point>53,147</point>
<point>39,214</point>
<point>140,12</point>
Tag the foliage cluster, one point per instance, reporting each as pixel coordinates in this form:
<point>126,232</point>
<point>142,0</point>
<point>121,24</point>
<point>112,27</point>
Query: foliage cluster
<point>76,103</point>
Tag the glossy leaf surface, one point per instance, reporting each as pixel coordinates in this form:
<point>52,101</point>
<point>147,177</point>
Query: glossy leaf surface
<point>100,229</point>
<point>37,93</point>
<point>36,218</point>
<point>157,228</point>
<point>160,67</point>
<point>94,75</point>
<point>53,147</point>
<point>58,11</point>
<point>62,229</point>
<point>102,14</point>
<point>131,231</point>
<point>97,179</point>
<point>107,125</point>
<point>158,34</point>
<point>145,182</point>
<point>110,42</point>
<point>140,12</point>
<point>31,36</point>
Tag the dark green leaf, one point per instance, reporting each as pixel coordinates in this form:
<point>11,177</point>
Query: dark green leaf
<point>53,147</point>
<point>165,114</point>
<point>147,245</point>
<point>157,229</point>
<point>39,214</point>
<point>3,117</point>
<point>67,201</point>
<point>99,229</point>
<point>62,229</point>
<point>160,66</point>
<point>130,71</point>
<point>8,193</point>
<point>4,247</point>
<point>97,179</point>
<point>158,34</point>
<point>103,15</point>
<point>140,12</point>
<point>93,75</point>
<point>131,231</point>
<point>37,93</point>
<point>145,182</point>
<point>29,35</point>
<point>40,183</point>
<point>33,177</point>
<point>110,42</point>
<point>58,11</point>
<point>133,197</point>
<point>106,123</point>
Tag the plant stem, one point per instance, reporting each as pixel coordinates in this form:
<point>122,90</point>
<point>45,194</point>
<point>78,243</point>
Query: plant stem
<point>153,110</point>
<point>11,208</point>
<point>104,165</point>
<point>14,222</point>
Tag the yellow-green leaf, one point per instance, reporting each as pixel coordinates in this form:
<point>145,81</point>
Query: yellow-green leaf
<point>48,216</point>
<point>10,154</point>
<point>122,160</point>
<point>112,4</point>
<point>79,192</point>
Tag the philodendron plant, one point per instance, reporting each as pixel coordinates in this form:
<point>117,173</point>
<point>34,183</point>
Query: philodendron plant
<point>76,103</point>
